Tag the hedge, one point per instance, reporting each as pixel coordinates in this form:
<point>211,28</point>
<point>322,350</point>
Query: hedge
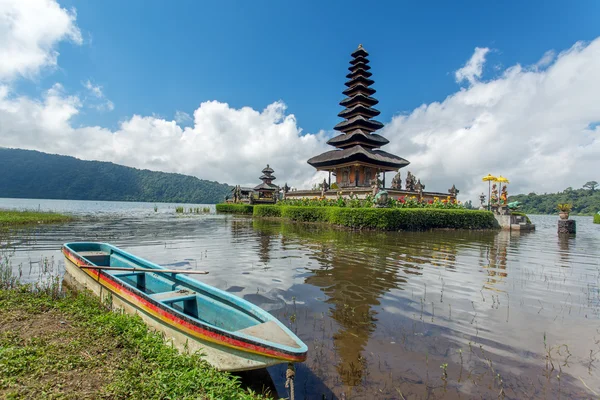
<point>597,218</point>
<point>267,211</point>
<point>389,219</point>
<point>235,208</point>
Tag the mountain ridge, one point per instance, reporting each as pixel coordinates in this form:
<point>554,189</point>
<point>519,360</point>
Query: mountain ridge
<point>38,175</point>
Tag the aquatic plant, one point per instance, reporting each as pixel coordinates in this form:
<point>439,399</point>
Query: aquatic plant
<point>597,218</point>
<point>155,208</point>
<point>179,209</point>
<point>564,207</point>
<point>11,218</point>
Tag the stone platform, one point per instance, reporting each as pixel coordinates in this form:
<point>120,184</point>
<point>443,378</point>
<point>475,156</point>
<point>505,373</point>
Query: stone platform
<point>514,222</point>
<point>567,226</point>
<point>362,192</point>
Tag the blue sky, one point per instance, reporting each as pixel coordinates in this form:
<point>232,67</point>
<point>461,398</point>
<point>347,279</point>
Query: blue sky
<point>104,80</point>
<point>157,57</point>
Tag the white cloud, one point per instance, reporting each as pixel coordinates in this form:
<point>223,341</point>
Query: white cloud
<point>531,126</point>
<point>102,103</point>
<point>546,59</point>
<point>473,69</point>
<point>29,33</point>
<point>182,117</point>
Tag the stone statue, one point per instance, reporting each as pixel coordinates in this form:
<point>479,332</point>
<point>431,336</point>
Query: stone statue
<point>397,181</point>
<point>285,189</point>
<point>482,200</point>
<point>324,187</point>
<point>410,182</point>
<point>237,194</point>
<point>419,187</point>
<point>494,197</point>
<point>375,186</point>
<point>380,199</point>
<point>453,191</point>
<point>513,205</point>
<point>504,195</point>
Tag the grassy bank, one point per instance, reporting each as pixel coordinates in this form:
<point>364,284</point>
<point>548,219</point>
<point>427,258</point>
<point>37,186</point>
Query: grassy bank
<point>12,218</point>
<point>72,347</point>
<point>235,208</point>
<point>389,219</point>
<point>597,218</point>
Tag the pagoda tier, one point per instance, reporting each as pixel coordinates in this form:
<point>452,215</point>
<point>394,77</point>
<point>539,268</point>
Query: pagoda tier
<point>365,139</point>
<point>267,178</point>
<point>378,159</point>
<point>357,160</point>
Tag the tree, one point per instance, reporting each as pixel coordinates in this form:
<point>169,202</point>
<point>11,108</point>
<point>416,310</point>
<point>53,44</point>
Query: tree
<point>592,185</point>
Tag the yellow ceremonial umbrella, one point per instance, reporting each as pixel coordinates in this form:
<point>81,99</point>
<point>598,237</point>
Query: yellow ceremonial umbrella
<point>489,178</point>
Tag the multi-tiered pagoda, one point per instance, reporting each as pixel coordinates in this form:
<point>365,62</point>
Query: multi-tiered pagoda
<point>357,159</point>
<point>266,188</point>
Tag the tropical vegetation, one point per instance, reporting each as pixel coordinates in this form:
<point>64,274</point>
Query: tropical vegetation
<point>597,218</point>
<point>352,201</point>
<point>382,218</point>
<point>32,174</point>
<point>583,201</point>
<point>235,208</point>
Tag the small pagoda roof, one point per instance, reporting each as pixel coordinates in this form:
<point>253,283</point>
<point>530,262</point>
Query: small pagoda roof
<point>358,137</point>
<point>358,153</point>
<point>360,51</point>
<point>266,187</point>
<point>267,170</point>
<point>359,72</point>
<point>359,109</point>
<point>358,99</point>
<point>358,122</point>
<point>271,177</point>
<point>359,59</point>
<point>362,66</point>
<point>359,89</point>
<point>359,79</point>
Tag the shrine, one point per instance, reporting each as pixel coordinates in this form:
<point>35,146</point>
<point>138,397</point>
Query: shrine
<point>265,192</point>
<point>357,164</point>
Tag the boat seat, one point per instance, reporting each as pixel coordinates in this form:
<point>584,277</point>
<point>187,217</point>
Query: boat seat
<point>92,253</point>
<point>172,295</point>
<point>271,332</point>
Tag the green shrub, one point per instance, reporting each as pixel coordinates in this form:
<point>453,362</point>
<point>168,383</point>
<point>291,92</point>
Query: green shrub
<point>267,211</point>
<point>389,219</point>
<point>235,208</point>
<point>597,218</point>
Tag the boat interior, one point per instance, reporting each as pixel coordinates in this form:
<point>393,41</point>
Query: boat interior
<point>196,301</point>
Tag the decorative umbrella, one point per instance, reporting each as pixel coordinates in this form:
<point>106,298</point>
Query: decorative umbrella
<point>489,178</point>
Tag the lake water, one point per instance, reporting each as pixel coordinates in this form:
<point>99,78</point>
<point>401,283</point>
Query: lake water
<point>442,314</point>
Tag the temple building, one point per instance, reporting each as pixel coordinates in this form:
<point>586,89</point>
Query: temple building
<point>266,189</point>
<point>357,159</point>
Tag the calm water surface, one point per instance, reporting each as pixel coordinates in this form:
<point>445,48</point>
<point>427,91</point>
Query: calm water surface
<point>385,315</point>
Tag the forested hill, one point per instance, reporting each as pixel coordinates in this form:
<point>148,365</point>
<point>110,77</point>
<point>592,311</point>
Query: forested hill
<point>32,174</point>
<point>585,201</point>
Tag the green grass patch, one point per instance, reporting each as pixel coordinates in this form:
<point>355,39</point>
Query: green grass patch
<point>389,219</point>
<point>597,218</point>
<point>12,218</point>
<point>73,347</point>
<point>235,208</point>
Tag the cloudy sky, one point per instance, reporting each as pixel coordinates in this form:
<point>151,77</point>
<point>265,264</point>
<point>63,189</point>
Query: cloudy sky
<point>219,90</point>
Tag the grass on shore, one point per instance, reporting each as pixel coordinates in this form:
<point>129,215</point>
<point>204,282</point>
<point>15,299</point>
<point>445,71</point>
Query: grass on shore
<point>12,218</point>
<point>73,347</point>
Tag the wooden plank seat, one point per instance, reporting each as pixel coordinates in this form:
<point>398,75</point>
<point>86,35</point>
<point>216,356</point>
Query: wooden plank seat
<point>270,331</point>
<point>172,295</point>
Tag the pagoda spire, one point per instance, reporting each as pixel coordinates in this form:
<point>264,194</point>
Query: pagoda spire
<point>359,112</point>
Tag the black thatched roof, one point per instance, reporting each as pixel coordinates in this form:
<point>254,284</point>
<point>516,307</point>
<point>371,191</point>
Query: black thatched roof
<point>358,154</point>
<point>267,176</point>
<point>359,59</point>
<point>360,51</point>
<point>359,79</point>
<point>368,140</point>
<point>359,89</point>
<point>358,122</point>
<point>359,72</point>
<point>361,66</point>
<point>266,187</point>
<point>267,170</point>
<point>358,99</point>
<point>359,109</point>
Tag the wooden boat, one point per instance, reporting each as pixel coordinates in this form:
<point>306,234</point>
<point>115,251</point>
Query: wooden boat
<point>232,334</point>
